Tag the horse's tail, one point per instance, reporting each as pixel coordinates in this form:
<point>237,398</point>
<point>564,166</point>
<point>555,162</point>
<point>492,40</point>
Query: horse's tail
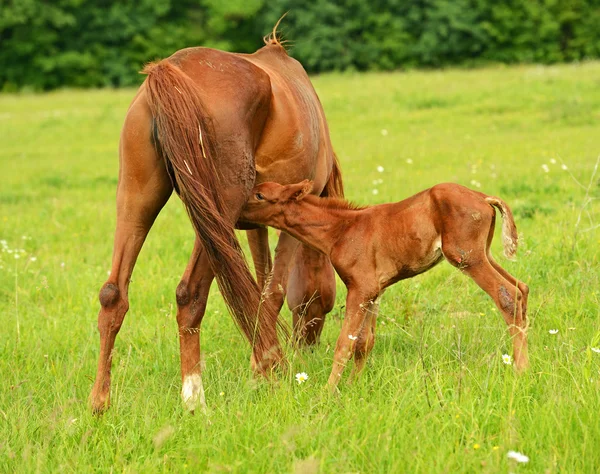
<point>186,141</point>
<point>334,186</point>
<point>510,237</point>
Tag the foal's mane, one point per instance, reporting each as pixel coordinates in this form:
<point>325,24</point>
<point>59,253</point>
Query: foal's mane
<point>335,203</point>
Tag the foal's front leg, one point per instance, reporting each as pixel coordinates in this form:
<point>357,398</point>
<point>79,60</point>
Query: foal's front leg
<point>356,312</point>
<point>366,339</point>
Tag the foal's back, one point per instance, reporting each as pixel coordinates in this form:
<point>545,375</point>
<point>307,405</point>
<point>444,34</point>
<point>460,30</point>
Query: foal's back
<point>411,236</point>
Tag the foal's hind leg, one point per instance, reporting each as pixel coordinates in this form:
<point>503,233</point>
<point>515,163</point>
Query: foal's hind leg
<point>192,295</point>
<point>310,293</point>
<point>144,187</point>
<point>522,286</point>
<point>509,300</point>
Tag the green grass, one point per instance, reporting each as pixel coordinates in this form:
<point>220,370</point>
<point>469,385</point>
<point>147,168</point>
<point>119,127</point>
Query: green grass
<point>435,396</point>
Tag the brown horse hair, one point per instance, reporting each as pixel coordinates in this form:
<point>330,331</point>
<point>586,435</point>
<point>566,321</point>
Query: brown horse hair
<point>186,142</point>
<point>335,185</point>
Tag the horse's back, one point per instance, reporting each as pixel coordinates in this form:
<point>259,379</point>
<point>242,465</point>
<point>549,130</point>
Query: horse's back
<point>295,144</point>
<point>236,93</point>
<point>264,107</point>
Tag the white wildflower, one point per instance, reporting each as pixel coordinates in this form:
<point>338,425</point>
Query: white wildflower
<point>553,161</point>
<point>381,169</point>
<point>409,161</point>
<point>384,132</point>
<point>301,377</point>
<point>352,338</point>
<point>376,191</point>
<point>596,350</point>
<point>553,331</point>
<point>545,168</point>
<point>507,359</point>
<point>564,167</point>
<point>517,456</point>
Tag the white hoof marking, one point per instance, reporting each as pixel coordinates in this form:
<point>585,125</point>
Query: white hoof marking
<point>192,392</point>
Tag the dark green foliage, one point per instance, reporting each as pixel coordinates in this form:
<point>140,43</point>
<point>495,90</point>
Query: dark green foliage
<point>95,43</point>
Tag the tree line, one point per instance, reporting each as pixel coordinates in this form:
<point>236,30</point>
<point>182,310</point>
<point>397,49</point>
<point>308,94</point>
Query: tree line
<point>96,43</point>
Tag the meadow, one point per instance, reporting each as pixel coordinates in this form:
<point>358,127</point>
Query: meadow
<point>436,395</point>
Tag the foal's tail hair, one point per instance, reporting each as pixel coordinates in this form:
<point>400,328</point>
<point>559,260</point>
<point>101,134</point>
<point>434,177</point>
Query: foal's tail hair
<point>510,237</point>
<point>186,141</point>
<point>335,185</point>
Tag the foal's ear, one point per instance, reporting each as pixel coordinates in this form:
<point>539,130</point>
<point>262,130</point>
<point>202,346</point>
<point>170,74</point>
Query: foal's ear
<point>305,190</point>
<point>296,192</point>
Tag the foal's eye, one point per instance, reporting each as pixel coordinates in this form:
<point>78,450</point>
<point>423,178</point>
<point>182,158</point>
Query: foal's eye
<point>259,197</point>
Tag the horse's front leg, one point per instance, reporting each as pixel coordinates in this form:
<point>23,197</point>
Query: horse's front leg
<point>258,241</point>
<point>272,300</point>
<point>357,304</point>
<point>310,293</point>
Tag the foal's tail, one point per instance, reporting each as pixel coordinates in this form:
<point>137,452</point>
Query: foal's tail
<point>186,142</point>
<point>334,186</point>
<point>510,237</point>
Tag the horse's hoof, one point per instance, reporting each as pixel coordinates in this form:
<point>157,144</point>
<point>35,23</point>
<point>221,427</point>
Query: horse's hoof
<point>192,393</point>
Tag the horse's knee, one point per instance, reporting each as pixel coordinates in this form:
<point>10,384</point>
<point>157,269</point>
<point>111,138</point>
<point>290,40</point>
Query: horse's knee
<point>114,307</point>
<point>109,295</point>
<point>182,294</point>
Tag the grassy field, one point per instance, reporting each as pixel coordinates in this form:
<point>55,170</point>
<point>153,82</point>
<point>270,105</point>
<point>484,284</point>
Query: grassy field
<point>436,396</point>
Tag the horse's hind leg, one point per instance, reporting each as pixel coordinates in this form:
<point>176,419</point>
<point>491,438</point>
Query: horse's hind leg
<point>192,295</point>
<point>144,188</point>
<point>310,293</point>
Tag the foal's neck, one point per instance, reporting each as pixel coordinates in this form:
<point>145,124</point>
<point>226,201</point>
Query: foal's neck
<point>316,223</point>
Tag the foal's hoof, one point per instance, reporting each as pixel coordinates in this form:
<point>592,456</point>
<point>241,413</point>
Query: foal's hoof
<point>521,368</point>
<point>99,404</point>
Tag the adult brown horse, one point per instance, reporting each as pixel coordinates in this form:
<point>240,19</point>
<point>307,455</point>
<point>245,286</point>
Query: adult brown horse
<point>211,124</point>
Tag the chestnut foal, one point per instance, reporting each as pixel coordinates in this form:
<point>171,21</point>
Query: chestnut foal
<point>373,247</point>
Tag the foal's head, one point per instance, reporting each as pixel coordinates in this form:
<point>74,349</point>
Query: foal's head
<point>267,200</point>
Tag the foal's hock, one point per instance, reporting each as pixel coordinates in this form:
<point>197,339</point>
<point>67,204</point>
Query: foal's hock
<point>373,247</point>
